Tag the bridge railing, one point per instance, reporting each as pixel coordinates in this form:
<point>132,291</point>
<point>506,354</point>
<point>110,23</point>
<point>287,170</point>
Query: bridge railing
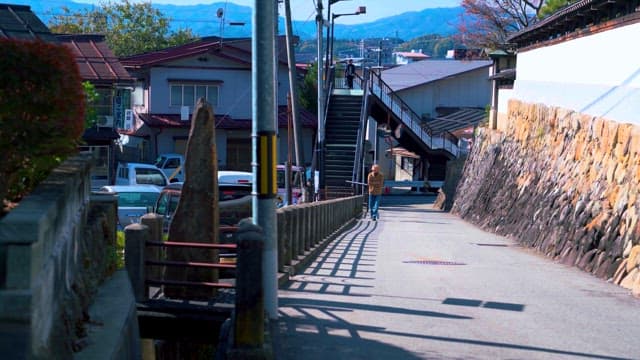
<point>303,228</point>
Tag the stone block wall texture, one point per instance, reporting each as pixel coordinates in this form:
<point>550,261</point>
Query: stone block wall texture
<point>564,183</point>
<point>52,261</point>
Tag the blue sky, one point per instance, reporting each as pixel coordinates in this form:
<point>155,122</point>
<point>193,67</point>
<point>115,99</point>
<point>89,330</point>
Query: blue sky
<point>305,9</point>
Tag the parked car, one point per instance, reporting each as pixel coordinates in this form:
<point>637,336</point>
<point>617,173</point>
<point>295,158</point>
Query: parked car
<point>235,177</point>
<point>234,202</point>
<point>172,165</point>
<point>133,201</point>
<point>140,174</point>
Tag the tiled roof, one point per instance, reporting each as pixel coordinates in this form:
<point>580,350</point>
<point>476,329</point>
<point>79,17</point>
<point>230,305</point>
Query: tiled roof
<point>96,61</point>
<point>573,17</point>
<point>19,22</point>
<point>238,50</point>
<point>423,72</point>
<point>307,119</point>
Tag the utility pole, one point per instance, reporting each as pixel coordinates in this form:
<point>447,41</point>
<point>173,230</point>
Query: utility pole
<point>320,146</point>
<point>264,141</point>
<point>297,134</point>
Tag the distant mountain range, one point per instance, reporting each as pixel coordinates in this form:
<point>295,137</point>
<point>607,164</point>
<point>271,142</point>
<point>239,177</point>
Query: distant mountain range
<point>203,21</point>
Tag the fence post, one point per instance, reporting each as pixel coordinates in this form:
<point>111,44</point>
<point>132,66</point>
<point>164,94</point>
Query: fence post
<point>136,236</point>
<point>154,222</point>
<point>306,220</point>
<point>249,312</point>
<point>288,234</point>
<point>281,238</point>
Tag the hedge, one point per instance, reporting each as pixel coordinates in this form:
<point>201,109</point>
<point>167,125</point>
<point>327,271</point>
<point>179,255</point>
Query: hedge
<point>41,113</point>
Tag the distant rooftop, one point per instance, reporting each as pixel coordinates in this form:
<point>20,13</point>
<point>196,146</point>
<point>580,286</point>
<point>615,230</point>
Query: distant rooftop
<point>423,72</point>
<point>412,54</point>
<point>95,60</point>
<point>20,23</point>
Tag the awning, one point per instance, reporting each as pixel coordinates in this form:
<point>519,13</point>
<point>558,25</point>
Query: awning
<point>403,152</point>
<point>457,120</point>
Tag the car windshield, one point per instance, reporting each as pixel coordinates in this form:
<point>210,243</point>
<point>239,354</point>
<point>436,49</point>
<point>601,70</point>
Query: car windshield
<point>160,161</point>
<point>150,176</point>
<point>137,199</point>
<point>296,178</point>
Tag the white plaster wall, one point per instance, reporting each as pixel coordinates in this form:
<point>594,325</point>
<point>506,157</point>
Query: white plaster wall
<point>471,89</point>
<point>597,75</point>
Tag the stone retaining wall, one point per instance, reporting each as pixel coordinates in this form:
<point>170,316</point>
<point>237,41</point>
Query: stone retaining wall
<point>54,251</point>
<point>564,183</point>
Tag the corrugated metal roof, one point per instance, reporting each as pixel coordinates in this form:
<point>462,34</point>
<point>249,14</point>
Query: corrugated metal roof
<point>95,60</point>
<point>423,72</point>
<point>460,119</point>
<point>307,119</point>
<point>19,22</point>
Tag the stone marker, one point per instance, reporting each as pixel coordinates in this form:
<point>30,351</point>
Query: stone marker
<point>197,216</point>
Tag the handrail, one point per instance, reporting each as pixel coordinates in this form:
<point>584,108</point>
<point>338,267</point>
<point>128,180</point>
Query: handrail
<point>360,139</point>
<point>444,140</point>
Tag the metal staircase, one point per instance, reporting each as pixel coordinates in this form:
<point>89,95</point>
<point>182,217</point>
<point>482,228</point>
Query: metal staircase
<point>411,121</point>
<point>345,126</point>
<point>341,137</point>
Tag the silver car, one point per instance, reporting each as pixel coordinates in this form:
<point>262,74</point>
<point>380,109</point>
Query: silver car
<point>133,201</point>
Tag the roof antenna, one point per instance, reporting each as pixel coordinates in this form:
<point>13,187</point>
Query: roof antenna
<point>220,15</point>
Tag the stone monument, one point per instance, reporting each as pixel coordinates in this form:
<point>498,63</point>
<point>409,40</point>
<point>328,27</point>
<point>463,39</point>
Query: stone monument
<point>197,216</point>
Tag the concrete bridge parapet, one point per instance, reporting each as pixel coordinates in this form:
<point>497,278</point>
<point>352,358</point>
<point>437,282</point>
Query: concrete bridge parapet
<point>304,230</point>
<point>53,258</point>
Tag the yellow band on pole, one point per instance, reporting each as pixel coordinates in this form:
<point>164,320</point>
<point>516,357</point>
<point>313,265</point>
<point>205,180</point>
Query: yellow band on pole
<point>267,178</point>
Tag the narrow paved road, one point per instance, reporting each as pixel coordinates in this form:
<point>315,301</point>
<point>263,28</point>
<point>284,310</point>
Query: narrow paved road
<point>423,284</point>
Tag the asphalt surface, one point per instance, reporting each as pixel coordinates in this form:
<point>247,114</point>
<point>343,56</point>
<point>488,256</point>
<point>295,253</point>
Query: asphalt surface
<point>423,284</point>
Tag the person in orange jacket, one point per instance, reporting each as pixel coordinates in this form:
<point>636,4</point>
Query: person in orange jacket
<point>375,181</point>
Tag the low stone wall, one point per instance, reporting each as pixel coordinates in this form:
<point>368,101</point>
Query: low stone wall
<point>53,257</point>
<point>564,183</point>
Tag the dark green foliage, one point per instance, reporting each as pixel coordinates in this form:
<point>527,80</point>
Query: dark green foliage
<point>551,6</point>
<point>91,97</point>
<point>308,94</point>
<point>435,46</point>
<point>130,28</point>
<point>41,113</point>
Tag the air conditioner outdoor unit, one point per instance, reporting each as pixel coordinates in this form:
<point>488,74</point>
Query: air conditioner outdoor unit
<point>105,121</point>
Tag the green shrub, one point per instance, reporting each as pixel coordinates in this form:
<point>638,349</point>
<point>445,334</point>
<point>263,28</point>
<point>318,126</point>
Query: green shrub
<point>41,112</point>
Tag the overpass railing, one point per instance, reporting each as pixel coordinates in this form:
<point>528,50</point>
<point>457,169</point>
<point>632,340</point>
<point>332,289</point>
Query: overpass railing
<point>410,120</point>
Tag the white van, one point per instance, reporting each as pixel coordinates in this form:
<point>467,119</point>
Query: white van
<point>140,174</point>
<point>297,182</point>
<point>235,177</point>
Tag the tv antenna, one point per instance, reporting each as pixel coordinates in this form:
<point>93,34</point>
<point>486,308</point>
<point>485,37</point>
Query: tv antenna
<point>220,15</point>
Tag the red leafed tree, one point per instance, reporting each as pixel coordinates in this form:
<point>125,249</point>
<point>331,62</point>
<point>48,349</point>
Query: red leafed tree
<point>488,23</point>
<point>41,113</point>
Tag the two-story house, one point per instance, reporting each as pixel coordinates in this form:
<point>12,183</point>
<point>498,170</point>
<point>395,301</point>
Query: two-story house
<point>169,83</point>
<point>113,85</point>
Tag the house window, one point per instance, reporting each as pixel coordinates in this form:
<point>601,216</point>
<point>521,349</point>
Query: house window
<point>188,94</point>
<point>406,164</point>
<point>104,103</point>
